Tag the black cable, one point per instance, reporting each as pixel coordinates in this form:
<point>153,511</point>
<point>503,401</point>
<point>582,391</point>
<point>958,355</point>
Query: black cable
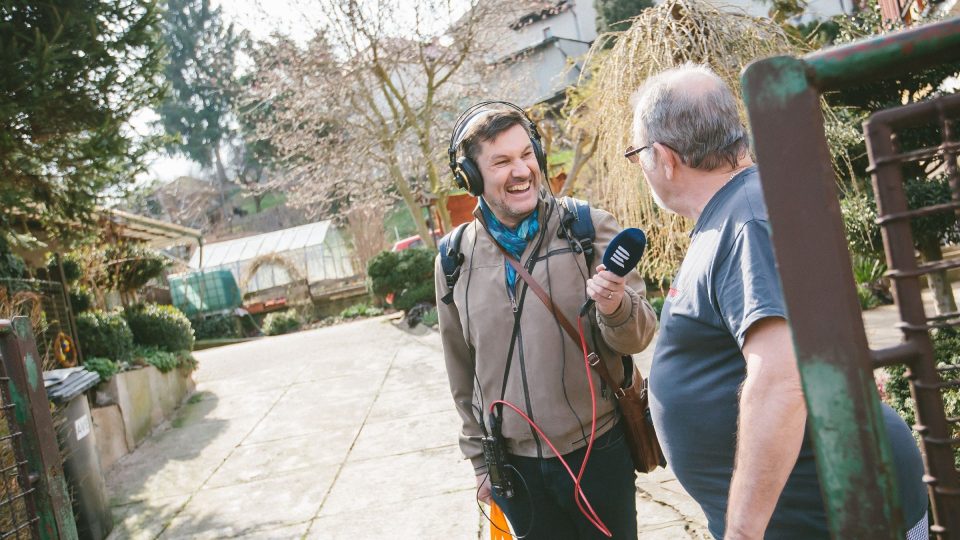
<point>529,496</point>
<point>466,307</point>
<point>563,365</point>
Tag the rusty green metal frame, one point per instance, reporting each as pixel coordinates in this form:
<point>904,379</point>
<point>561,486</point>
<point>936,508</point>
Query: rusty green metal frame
<point>782,95</point>
<point>18,352</point>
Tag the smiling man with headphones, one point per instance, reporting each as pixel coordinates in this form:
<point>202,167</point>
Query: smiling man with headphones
<point>531,413</point>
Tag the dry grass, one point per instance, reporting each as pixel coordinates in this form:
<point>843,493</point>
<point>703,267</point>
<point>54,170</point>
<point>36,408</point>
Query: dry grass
<point>13,514</point>
<point>662,37</point>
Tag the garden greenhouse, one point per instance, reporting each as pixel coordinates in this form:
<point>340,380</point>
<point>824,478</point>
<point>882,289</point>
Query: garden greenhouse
<point>315,252</point>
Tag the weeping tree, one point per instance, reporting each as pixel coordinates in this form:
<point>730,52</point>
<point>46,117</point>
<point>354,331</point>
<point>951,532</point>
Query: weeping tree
<point>612,15</point>
<point>665,36</point>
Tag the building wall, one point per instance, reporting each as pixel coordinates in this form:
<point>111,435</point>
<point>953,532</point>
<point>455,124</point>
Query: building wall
<point>546,69</point>
<point>576,23</point>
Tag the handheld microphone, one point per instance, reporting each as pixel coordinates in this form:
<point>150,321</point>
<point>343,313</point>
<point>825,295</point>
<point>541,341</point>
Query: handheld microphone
<point>622,255</point>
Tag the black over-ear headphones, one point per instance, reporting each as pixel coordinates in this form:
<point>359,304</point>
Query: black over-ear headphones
<point>466,173</point>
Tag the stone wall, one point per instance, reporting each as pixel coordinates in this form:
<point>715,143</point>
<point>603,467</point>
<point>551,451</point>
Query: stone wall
<point>131,404</point>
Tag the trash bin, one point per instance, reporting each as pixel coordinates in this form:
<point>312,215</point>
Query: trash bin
<point>78,447</point>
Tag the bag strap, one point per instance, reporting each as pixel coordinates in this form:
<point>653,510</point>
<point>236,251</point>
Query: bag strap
<point>450,259</point>
<point>594,358</point>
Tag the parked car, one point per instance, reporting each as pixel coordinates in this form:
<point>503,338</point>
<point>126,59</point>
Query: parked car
<point>413,241</point>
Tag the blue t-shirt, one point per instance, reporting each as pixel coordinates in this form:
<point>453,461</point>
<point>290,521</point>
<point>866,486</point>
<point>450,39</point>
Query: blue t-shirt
<point>727,282</point>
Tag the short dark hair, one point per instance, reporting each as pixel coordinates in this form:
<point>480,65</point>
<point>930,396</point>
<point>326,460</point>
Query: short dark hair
<point>487,125</point>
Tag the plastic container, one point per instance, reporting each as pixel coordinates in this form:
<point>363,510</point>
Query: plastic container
<point>78,446</point>
<point>205,292</point>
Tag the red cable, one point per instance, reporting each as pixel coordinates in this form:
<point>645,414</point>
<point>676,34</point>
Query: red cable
<point>578,495</point>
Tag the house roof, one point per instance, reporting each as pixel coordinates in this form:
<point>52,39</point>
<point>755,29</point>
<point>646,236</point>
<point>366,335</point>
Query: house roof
<point>154,232</point>
<point>251,247</point>
<point>542,10</point>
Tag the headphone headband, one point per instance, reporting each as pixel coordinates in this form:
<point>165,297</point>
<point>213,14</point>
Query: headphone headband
<point>466,173</point>
<point>467,116</point>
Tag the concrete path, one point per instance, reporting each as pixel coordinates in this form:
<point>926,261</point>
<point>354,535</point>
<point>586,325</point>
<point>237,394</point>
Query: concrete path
<point>343,432</point>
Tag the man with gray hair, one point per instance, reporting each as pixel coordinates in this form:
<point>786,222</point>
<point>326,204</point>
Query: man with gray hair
<point>725,392</point>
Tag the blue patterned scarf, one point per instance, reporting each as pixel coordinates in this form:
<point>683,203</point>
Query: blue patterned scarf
<point>514,241</point>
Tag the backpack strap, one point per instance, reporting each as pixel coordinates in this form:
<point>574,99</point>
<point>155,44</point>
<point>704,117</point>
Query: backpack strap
<point>451,258</point>
<point>576,219</point>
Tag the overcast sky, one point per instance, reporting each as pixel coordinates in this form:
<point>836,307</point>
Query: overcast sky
<point>260,18</point>
<point>295,18</point>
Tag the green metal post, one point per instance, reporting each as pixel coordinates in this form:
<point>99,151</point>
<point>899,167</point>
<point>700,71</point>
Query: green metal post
<point>32,413</point>
<point>854,459</point>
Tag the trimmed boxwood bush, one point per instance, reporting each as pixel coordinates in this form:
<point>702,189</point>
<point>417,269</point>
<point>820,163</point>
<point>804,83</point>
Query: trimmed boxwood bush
<point>407,274</point>
<point>217,327</point>
<point>105,335</point>
<point>282,322</point>
<point>164,327</point>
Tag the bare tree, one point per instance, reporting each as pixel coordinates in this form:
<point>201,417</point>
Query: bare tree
<point>367,105</point>
<point>366,227</point>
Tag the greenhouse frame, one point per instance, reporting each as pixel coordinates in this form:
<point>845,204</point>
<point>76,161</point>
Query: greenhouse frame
<point>315,251</point>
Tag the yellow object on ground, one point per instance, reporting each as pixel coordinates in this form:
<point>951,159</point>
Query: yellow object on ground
<point>498,523</point>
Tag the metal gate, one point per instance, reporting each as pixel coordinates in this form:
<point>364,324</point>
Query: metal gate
<point>34,503</point>
<point>854,460</point>
<point>46,300</point>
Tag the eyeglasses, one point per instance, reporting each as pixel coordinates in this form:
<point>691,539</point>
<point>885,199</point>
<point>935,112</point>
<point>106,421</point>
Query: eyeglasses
<point>633,154</point>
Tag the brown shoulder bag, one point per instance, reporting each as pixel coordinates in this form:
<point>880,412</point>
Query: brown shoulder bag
<point>632,399</point>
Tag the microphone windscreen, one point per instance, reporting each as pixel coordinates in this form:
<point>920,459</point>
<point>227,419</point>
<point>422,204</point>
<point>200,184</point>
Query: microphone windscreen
<point>624,252</point>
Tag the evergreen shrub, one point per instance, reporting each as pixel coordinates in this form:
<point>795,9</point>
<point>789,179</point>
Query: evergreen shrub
<point>104,367</point>
<point>408,274</point>
<point>162,326</point>
<point>81,299</point>
<point>282,322</point>
<point>161,359</point>
<point>217,327</point>
<point>946,350</point>
<point>104,334</point>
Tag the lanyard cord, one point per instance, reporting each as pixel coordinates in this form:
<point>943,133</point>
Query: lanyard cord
<point>579,497</point>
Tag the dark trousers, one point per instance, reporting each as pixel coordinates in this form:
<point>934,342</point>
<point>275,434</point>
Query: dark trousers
<point>544,493</point>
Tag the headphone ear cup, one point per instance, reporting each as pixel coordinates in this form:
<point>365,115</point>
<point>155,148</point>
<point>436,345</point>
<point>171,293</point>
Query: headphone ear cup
<point>468,176</point>
<point>538,153</point>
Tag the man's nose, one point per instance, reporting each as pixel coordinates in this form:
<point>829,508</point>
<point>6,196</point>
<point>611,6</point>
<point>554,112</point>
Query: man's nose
<point>519,168</point>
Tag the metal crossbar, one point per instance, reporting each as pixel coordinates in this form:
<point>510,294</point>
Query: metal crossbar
<point>927,381</point>
<point>854,458</point>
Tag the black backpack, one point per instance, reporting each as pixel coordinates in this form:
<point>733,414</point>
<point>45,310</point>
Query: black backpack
<point>575,216</point>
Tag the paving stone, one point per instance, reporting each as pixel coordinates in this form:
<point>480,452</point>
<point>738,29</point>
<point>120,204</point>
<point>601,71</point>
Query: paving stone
<point>446,516</point>
<point>244,508</point>
<point>144,521</point>
<point>347,431</point>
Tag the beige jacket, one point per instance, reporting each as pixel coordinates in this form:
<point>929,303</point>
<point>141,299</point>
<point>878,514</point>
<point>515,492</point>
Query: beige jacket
<point>547,376</point>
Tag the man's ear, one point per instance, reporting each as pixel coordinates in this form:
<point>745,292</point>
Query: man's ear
<point>667,157</point>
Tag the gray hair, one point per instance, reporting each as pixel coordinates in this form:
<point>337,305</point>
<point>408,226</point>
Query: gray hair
<point>692,111</point>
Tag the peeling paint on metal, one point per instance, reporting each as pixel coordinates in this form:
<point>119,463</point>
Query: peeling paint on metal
<point>33,377</point>
<point>778,80</point>
<point>840,434</point>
